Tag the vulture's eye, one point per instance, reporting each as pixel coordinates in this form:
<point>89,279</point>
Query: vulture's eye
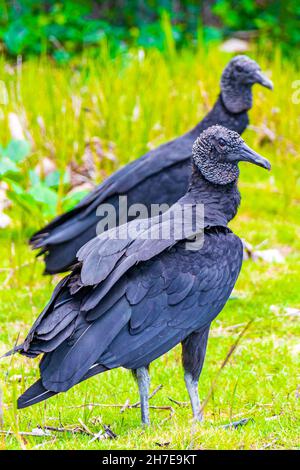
<point>239,68</point>
<point>222,143</point>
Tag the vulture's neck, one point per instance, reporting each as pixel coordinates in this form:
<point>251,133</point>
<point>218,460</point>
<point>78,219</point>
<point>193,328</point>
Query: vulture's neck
<point>222,116</point>
<point>221,202</point>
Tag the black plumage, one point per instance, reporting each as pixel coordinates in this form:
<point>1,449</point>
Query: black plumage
<point>160,176</point>
<point>130,300</point>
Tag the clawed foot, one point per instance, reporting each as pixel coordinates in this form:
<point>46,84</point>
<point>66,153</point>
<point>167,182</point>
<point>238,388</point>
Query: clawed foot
<point>237,424</point>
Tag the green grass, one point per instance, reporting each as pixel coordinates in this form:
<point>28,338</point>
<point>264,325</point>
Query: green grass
<point>134,103</point>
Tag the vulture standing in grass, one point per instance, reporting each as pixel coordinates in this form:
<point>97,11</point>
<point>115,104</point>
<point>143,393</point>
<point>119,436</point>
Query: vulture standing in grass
<point>130,300</point>
<point>160,176</point>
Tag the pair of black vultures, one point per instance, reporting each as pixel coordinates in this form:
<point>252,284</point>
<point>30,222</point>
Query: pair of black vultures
<point>128,300</point>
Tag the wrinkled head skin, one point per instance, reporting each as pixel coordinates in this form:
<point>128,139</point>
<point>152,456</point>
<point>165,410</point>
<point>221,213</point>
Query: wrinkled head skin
<point>237,80</point>
<point>217,152</point>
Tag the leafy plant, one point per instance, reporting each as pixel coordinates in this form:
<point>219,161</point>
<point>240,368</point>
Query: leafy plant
<point>62,29</point>
<point>15,152</point>
<point>36,196</point>
<point>271,19</point>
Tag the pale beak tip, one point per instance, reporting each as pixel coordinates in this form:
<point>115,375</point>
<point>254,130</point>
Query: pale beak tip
<point>266,164</point>
<point>263,80</point>
<point>267,83</point>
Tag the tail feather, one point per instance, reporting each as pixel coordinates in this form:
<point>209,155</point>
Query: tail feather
<point>61,257</point>
<point>34,394</point>
<point>37,239</point>
<point>12,351</point>
<point>37,392</point>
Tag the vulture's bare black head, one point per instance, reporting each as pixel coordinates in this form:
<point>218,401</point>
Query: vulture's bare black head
<point>217,152</point>
<point>236,83</point>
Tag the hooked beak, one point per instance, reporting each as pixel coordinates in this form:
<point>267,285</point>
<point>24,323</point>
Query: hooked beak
<point>246,154</point>
<point>260,78</point>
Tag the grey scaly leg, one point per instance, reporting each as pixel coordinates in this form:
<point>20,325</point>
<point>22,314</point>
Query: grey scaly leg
<point>143,380</point>
<point>192,388</point>
<point>193,355</point>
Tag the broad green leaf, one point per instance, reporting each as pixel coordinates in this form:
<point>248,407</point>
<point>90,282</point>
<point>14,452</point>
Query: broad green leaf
<point>52,180</point>
<point>43,194</point>
<point>17,150</point>
<point>34,177</point>
<point>16,37</point>
<point>7,166</point>
<point>14,187</point>
<point>93,36</point>
<point>23,200</point>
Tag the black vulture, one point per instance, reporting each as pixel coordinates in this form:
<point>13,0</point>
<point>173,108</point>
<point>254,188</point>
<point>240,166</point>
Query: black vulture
<point>131,299</point>
<point>160,176</point>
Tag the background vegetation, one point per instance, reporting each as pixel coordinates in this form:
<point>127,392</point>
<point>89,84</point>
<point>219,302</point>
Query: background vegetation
<point>65,127</point>
<point>62,28</point>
